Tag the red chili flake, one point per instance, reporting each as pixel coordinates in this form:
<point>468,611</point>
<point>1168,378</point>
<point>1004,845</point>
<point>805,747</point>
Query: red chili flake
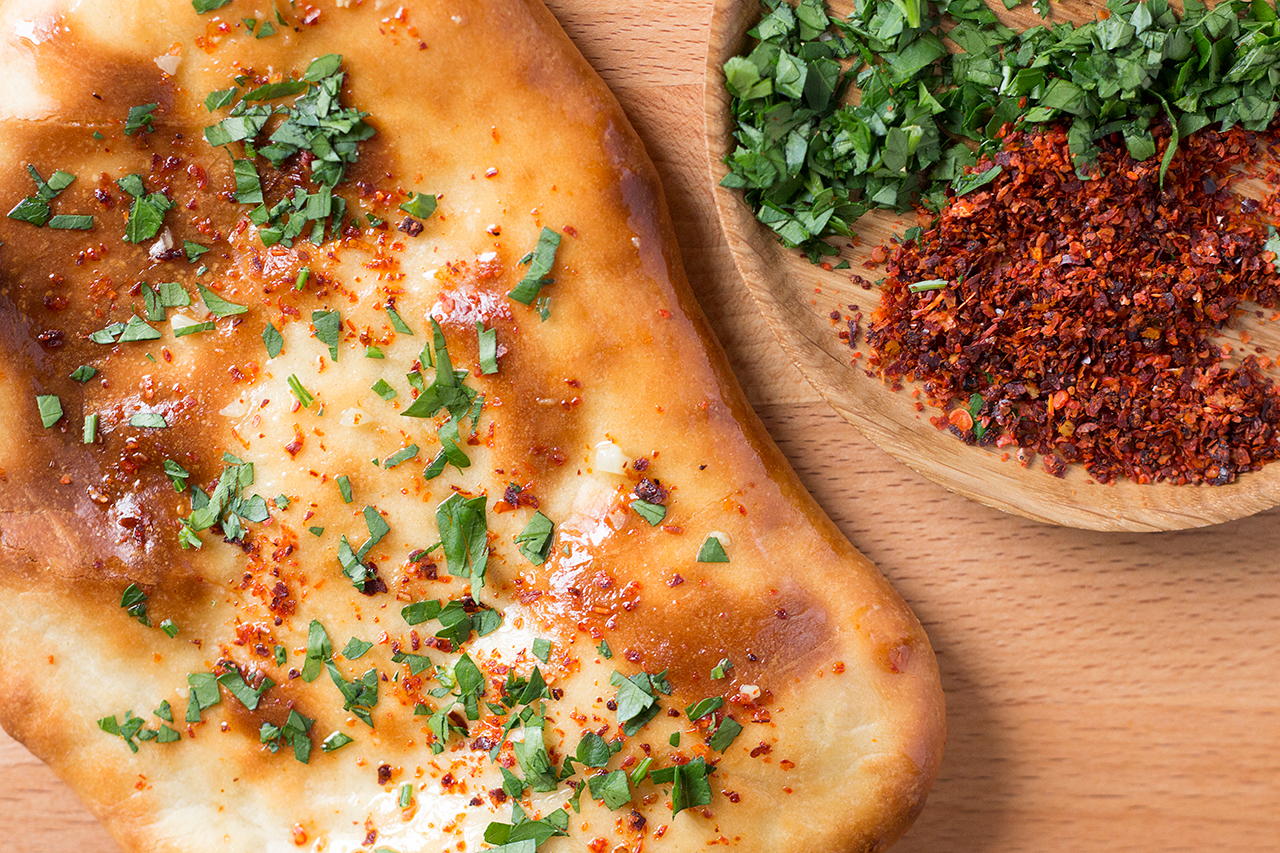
<point>1079,315</point>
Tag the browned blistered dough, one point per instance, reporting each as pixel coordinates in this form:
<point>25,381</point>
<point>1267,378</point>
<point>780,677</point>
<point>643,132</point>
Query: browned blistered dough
<point>490,106</point>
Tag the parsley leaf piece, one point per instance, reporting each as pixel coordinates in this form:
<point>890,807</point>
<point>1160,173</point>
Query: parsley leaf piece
<point>378,530</point>
<point>239,688</point>
<point>488,349</point>
<point>595,751</point>
<point>134,602</point>
<point>176,474</point>
<point>384,390</point>
<point>147,214</point>
<point>203,6</point>
<point>203,694</point>
<point>33,210</point>
<point>636,702</point>
<point>725,734</point>
<point>90,434</point>
<point>192,328</point>
<point>328,325</point>
<point>604,650</point>
<point>359,695</point>
<point>420,611</point>
<point>271,91</point>
<point>302,394</point>
<point>464,535</point>
<point>403,455</point>
<point>650,512</point>
<point>319,650</point>
<point>137,329</point>
<point>719,670</point>
<point>420,205</point>
<point>272,340</point>
<point>72,222</point>
<point>248,184</point>
<point>140,118</point>
<point>83,373</point>
<point>397,322</point>
<point>344,488</point>
<point>169,627</point>
<point>542,648</point>
<point>690,787</point>
<point>702,708</point>
<point>535,539</point>
<point>50,408</point>
<point>372,351</point>
<point>712,551</point>
<point>336,741</point>
<point>541,260</point>
<point>322,67</point>
<point>148,420</point>
<point>356,649</point>
<point>612,788</point>
<point>218,306</point>
<point>531,753</point>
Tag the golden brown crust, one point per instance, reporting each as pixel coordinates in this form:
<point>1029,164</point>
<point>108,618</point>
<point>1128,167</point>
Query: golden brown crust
<point>489,105</point>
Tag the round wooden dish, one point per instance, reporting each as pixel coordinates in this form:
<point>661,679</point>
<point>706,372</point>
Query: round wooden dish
<point>798,298</point>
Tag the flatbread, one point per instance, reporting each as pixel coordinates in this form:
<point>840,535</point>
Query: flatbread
<point>614,417</point>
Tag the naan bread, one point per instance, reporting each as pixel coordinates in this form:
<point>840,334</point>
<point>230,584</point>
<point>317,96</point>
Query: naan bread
<point>614,421</point>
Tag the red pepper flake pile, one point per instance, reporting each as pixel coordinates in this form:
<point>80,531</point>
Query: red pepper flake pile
<point>1076,318</point>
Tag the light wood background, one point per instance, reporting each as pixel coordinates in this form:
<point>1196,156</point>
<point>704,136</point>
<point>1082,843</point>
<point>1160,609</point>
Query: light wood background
<point>1106,692</point>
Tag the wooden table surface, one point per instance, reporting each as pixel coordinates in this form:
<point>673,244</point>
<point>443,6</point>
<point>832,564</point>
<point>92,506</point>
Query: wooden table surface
<point>1104,691</point>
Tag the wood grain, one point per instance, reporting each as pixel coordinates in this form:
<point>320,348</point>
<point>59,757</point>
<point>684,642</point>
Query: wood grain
<point>797,299</point>
<point>1106,691</point>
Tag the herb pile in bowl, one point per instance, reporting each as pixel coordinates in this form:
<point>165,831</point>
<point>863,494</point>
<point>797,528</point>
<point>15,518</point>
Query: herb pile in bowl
<point>835,117</point>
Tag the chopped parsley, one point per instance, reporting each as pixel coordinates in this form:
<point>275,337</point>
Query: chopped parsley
<point>344,488</point>
<point>226,505</point>
<point>336,741</point>
<point>725,734</point>
<point>384,390</point>
<point>134,602</point>
<point>203,6</point>
<point>235,684</point>
<point>204,694</point>
<point>147,214</point>
<point>272,340</point>
<point>302,394</point>
<point>535,539</point>
<point>464,535</point>
<point>397,322</point>
<point>356,648</point>
<point>690,787</point>
<point>319,650</point>
<point>294,733</point>
<point>719,670</point>
<point>317,123</point>
<point>650,512</point>
<point>542,649</point>
<point>488,349</point>
<point>403,455</point>
<point>328,326</point>
<point>140,118</point>
<point>36,209</point>
<point>712,551</point>
<point>148,420</point>
<point>50,407</point>
<point>420,205</point>
<point>702,708</point>
<point>540,261</point>
<point>218,306</point>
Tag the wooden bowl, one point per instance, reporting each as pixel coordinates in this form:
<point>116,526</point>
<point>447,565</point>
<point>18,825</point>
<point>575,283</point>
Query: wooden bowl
<point>798,299</point>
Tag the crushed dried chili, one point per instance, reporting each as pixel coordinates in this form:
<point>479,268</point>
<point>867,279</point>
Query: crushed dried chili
<point>1078,316</point>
